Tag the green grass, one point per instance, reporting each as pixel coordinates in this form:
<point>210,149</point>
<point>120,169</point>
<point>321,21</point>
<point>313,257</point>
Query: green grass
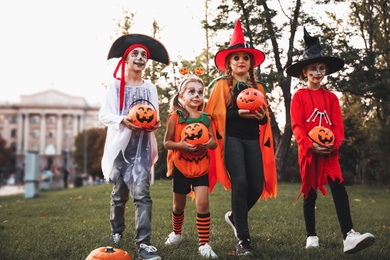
<point>69,224</point>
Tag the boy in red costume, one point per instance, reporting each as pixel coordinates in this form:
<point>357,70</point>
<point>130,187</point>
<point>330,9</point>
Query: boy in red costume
<point>319,165</point>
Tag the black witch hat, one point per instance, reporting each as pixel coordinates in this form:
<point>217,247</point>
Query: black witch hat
<point>313,54</point>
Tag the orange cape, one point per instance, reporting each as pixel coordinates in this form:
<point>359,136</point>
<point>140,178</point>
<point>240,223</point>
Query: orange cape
<point>216,107</point>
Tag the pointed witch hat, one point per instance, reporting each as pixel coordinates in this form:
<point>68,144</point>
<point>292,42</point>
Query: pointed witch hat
<point>313,54</point>
<point>237,43</point>
<point>124,44</point>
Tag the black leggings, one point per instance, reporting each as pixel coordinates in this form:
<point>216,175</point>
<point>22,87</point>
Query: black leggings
<point>245,166</point>
<point>341,202</point>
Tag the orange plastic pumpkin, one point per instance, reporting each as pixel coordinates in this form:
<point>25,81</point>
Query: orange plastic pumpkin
<point>108,253</point>
<point>199,70</point>
<point>184,71</point>
<point>321,135</point>
<point>144,116</point>
<point>197,133</point>
<point>250,99</point>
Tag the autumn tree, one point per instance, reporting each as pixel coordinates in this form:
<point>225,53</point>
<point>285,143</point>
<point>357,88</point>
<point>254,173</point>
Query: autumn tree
<point>89,146</point>
<point>274,34</point>
<point>365,46</point>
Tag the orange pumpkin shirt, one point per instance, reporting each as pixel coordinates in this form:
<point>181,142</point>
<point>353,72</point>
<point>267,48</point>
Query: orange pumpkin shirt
<point>190,165</point>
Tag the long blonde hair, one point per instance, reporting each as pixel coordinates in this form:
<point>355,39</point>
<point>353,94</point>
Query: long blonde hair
<point>176,104</point>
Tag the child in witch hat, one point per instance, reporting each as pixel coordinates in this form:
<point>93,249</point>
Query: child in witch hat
<point>245,142</point>
<point>319,165</point>
<point>131,151</point>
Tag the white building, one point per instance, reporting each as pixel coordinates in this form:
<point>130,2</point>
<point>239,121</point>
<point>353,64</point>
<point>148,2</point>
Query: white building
<point>46,123</point>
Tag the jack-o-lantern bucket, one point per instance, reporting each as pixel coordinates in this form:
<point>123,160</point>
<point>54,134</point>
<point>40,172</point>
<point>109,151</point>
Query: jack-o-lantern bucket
<point>143,115</point>
<point>250,99</point>
<point>108,253</point>
<point>197,133</point>
<point>321,135</point>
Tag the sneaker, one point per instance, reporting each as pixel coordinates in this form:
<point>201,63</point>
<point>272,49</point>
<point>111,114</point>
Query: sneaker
<point>207,251</point>
<point>173,239</point>
<point>312,241</point>
<point>244,248</point>
<point>148,252</point>
<point>229,219</point>
<point>115,238</point>
<point>354,242</point>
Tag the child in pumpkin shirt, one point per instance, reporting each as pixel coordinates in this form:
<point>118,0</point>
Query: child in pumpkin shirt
<point>188,163</point>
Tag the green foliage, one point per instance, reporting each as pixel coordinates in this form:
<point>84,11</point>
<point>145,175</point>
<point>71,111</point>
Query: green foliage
<point>69,224</point>
<point>7,156</point>
<point>88,152</point>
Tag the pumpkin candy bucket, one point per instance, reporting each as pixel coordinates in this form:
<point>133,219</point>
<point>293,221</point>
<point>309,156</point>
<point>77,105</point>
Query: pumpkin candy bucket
<point>321,135</point>
<point>108,253</point>
<point>197,133</point>
<point>250,99</point>
<point>143,115</point>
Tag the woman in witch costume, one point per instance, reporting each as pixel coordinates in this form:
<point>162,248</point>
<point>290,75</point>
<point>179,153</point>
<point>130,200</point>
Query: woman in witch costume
<point>319,165</point>
<point>244,159</point>
<point>130,151</point>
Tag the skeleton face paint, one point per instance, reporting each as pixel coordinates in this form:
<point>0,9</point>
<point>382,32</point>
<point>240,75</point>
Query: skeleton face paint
<point>194,90</point>
<point>138,54</point>
<point>316,69</point>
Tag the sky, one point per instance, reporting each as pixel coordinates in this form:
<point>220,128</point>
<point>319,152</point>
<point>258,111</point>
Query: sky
<point>63,45</point>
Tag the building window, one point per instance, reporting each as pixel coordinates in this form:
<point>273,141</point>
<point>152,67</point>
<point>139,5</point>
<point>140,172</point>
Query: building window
<point>52,120</point>
<point>13,133</point>
<point>35,120</point>
<point>13,119</point>
<point>35,133</point>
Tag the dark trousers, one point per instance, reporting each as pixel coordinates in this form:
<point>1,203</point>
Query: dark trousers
<point>341,202</point>
<point>245,166</point>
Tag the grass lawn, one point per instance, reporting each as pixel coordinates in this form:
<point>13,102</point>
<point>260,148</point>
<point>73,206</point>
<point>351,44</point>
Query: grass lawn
<point>69,224</point>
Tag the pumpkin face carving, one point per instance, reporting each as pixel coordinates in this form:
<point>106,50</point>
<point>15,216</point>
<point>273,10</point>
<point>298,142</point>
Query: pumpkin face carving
<point>250,99</point>
<point>197,133</point>
<point>144,116</point>
<point>184,71</point>
<point>199,70</point>
<point>108,253</point>
<point>321,135</point>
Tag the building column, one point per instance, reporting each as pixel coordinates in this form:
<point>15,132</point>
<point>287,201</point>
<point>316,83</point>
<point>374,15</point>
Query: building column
<point>20,133</point>
<point>75,129</point>
<point>42,134</point>
<point>7,129</point>
<point>82,121</point>
<point>59,133</point>
<point>26,133</point>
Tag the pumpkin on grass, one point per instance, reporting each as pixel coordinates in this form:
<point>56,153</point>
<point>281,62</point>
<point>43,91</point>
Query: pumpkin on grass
<point>108,253</point>
<point>143,115</point>
<point>321,135</point>
<point>250,99</point>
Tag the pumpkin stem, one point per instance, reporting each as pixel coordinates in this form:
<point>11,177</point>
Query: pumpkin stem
<point>109,249</point>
